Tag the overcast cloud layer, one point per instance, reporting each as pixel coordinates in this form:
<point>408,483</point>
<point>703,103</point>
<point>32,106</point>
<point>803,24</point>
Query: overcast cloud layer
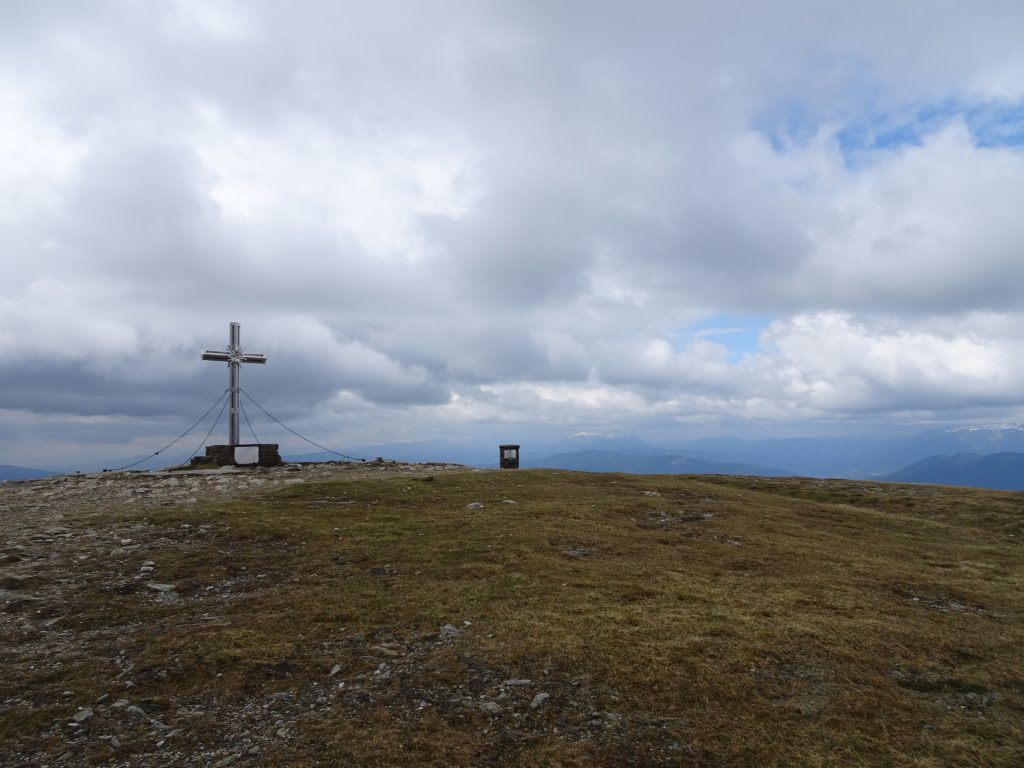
<point>504,218</point>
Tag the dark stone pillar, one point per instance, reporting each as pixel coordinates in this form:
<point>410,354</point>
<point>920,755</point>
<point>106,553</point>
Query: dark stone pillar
<point>508,456</point>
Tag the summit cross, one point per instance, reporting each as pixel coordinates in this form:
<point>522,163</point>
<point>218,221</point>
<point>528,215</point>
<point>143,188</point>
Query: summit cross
<point>234,357</point>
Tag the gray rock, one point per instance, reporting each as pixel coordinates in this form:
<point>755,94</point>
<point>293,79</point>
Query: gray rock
<point>450,630</point>
<point>492,707</point>
<point>158,587</point>
<point>15,600</point>
<point>474,505</point>
<point>82,715</point>
<point>14,582</point>
<point>810,711</point>
<point>539,700</point>
<point>577,552</point>
<point>334,670</point>
<point>131,709</point>
<point>650,493</point>
<point>518,681</point>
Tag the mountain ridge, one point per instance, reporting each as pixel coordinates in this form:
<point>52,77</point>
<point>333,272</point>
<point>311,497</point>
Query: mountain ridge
<point>10,472</point>
<point>1000,471</point>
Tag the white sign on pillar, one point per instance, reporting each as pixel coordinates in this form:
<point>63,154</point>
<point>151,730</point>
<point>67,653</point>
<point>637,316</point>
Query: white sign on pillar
<point>247,455</point>
<point>234,357</point>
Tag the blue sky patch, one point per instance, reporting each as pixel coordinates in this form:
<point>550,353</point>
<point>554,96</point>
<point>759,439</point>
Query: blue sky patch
<point>738,333</point>
<point>992,124</point>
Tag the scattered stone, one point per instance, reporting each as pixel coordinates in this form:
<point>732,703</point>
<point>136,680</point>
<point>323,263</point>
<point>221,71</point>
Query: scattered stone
<point>474,505</point>
<point>158,587</point>
<point>14,582</point>
<point>385,650</point>
<point>577,552</point>
<point>516,681</point>
<point>131,709</point>
<point>509,501</point>
<point>115,742</point>
<point>334,670</point>
<point>492,707</point>
<point>14,600</point>
<point>450,631</point>
<point>539,700</point>
<point>650,493</point>
<point>119,553</point>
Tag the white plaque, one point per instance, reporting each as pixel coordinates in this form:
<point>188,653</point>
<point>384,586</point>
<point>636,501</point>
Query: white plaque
<point>247,454</point>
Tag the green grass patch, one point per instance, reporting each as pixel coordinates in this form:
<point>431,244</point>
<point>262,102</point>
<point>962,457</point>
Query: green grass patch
<point>720,622</point>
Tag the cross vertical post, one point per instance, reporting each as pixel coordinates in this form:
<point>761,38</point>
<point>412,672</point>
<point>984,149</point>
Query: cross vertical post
<point>234,357</point>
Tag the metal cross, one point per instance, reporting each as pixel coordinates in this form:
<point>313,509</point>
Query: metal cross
<point>234,357</point>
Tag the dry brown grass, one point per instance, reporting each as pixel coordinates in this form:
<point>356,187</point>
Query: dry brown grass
<point>722,622</point>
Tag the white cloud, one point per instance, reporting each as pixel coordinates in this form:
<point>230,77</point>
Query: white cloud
<point>436,217</point>
<point>305,174</point>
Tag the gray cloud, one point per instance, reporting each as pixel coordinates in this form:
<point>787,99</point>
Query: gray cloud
<point>438,218</point>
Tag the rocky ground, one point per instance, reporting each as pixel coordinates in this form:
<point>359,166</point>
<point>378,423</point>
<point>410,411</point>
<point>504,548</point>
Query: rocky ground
<point>69,538</point>
<point>433,615</point>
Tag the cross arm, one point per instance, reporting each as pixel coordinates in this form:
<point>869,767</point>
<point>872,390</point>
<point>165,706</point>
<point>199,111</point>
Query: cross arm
<point>222,356</point>
<point>254,359</point>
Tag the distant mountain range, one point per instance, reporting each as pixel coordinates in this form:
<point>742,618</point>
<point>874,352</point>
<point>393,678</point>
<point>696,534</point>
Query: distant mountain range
<point>8,472</point>
<point>998,470</point>
<point>860,458</point>
<point>840,457</point>
<point>612,461</point>
<point>928,457</point>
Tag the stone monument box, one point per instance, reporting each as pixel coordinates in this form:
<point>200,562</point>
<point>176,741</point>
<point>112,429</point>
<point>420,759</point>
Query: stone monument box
<point>508,456</point>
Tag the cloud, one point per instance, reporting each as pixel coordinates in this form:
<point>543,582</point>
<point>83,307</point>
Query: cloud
<point>438,218</point>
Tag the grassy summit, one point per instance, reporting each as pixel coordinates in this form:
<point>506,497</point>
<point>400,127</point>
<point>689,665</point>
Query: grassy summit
<point>575,619</point>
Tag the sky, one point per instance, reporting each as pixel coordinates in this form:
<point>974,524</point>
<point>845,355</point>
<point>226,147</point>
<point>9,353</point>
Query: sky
<point>496,221</point>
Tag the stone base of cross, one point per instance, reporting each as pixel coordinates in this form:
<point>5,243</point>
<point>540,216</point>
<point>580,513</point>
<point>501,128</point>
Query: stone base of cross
<point>252,455</point>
